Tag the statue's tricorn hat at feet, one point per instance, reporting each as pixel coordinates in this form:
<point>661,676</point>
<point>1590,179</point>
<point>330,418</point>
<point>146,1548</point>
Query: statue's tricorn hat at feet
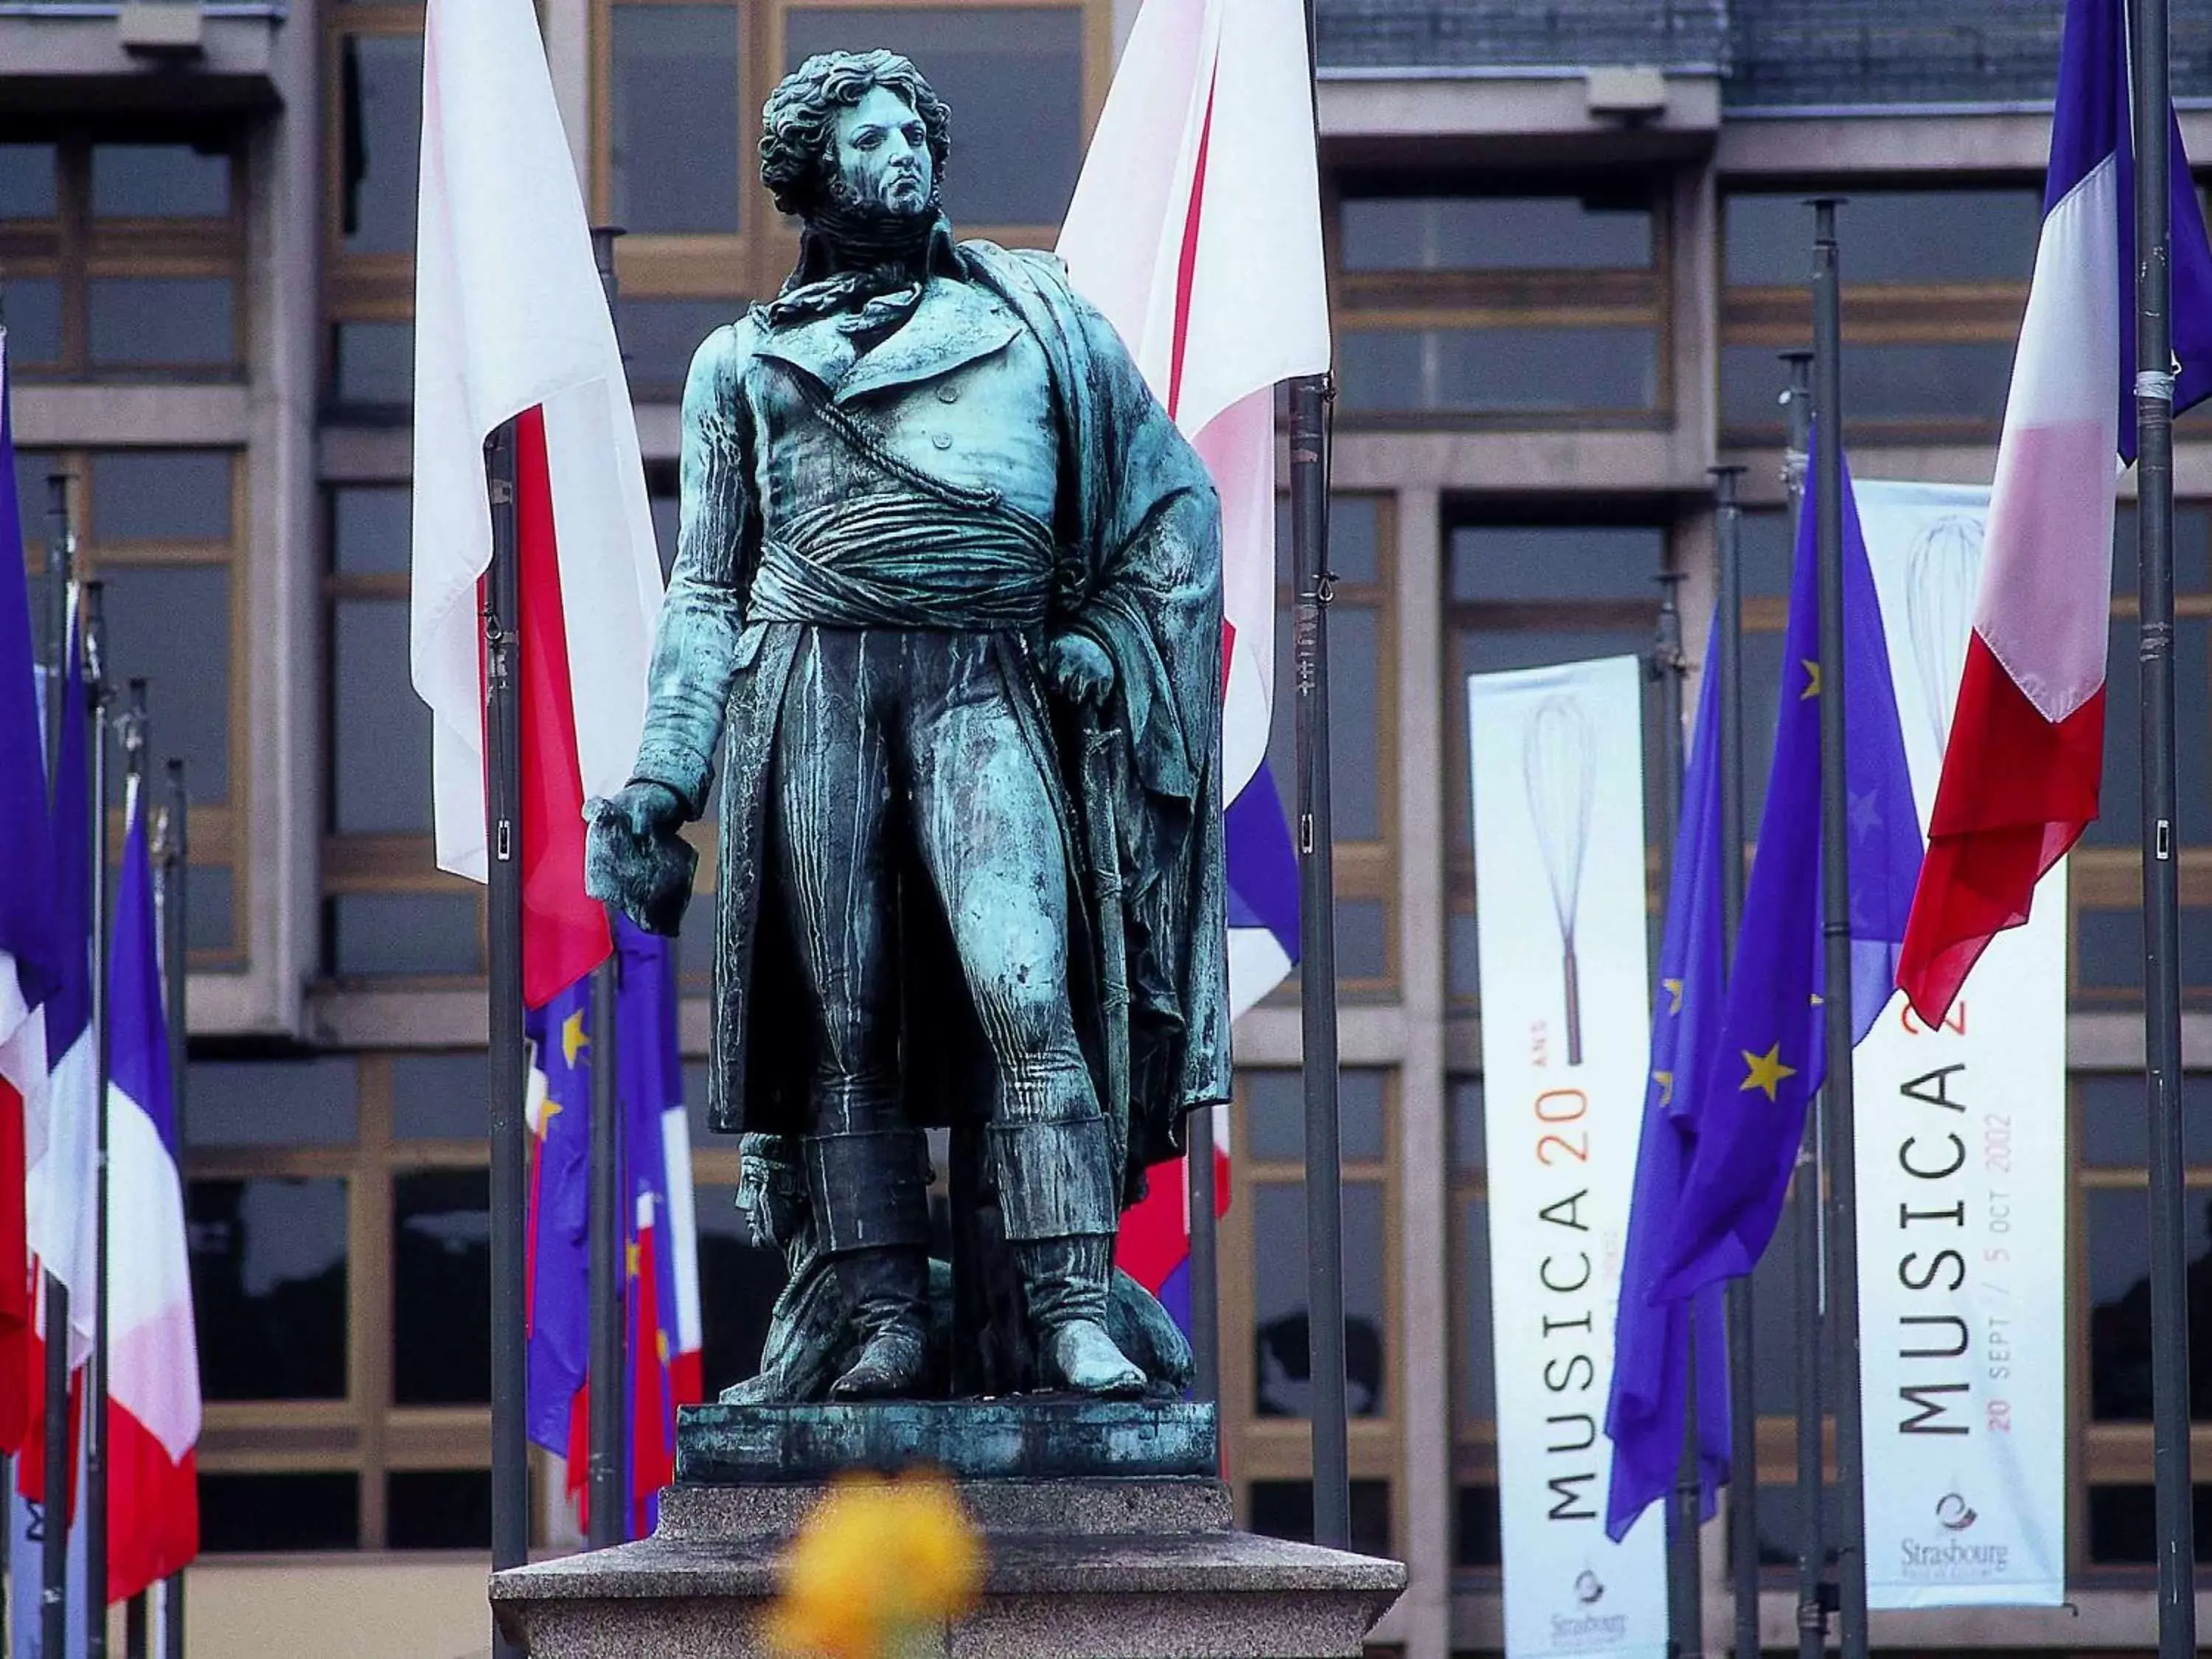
<point>945,623</point>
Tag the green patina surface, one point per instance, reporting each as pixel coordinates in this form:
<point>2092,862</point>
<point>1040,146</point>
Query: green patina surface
<point>973,1439</point>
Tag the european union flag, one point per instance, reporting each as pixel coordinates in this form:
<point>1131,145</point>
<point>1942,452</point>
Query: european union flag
<point>1756,1084</point>
<point>1651,1341</point>
<point>558,1312</point>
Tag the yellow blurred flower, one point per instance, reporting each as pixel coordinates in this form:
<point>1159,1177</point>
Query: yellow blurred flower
<point>875,1565</point>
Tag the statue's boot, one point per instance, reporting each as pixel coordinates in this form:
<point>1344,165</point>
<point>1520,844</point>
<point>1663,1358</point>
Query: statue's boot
<point>1065,1281</point>
<point>888,1292</point>
<point>869,1193</point>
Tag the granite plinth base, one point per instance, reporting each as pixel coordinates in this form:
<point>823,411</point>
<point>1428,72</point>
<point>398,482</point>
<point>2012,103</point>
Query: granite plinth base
<point>1025,1436</point>
<point>1109,1568</point>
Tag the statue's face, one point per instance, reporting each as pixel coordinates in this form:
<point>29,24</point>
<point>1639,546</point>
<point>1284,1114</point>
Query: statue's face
<point>882,153</point>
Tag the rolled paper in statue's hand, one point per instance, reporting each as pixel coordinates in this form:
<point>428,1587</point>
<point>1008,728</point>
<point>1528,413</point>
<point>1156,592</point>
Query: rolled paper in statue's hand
<point>646,875</point>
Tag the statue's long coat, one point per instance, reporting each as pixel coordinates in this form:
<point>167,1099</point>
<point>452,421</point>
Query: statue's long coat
<point>1138,535</point>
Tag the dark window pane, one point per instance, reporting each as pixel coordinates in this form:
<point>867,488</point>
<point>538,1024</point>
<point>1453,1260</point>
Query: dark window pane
<point>158,181</point>
<point>1013,79</point>
<point>2114,1120</point>
<point>1778,1525</point>
<point>1469,1149</point>
<point>2123,1524</point>
<point>399,933</point>
<point>1889,236</point>
<point>272,1103</point>
<point>1952,384</point>
<point>442,1097</point>
<point>1518,371</point>
<point>27,190</point>
<point>372,529</point>
<point>380,733</point>
<point>2192,550</point>
<point>674,159</point>
<point>1496,233</point>
<point>442,1287</point>
<point>2121,797</point>
<point>739,1284</point>
<point>34,321</point>
<point>1284,1509</point>
<point>658,338</point>
<point>1557,561</point>
<point>1775,1326</point>
<point>1462,946</point>
<point>161,496</point>
<point>1766,540</point>
<point>383,93</point>
<point>1275,1113</point>
<point>373,365</point>
<point>694,943</point>
<point>279,1513</point>
<point>1362,938</point>
<point>667,515</point>
<point>438,1510</point>
<point>1357,720</point>
<point>1475,1529</point>
<point>2108,953</point>
<point>161,321</point>
<point>269,1286</point>
<point>1282,1367</point>
<point>2116,1236</point>
<point>172,625</point>
<point>1478,1367</point>
<point>208,923</point>
<point>1354,530</point>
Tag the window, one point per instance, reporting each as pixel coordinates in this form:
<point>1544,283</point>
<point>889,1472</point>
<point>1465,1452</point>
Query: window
<point>123,258</point>
<point>1266,1371</point>
<point>1935,281</point>
<point>1363,722</point>
<point>372,74</point>
<point>1515,307</point>
<point>1520,594</point>
<point>162,531</point>
<point>678,86</point>
<point>339,1228</point>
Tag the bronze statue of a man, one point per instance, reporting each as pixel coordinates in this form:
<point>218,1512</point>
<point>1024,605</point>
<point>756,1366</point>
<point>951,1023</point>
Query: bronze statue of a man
<point>946,615</point>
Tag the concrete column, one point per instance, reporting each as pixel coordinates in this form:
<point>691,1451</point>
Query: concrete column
<point>1426,1290</point>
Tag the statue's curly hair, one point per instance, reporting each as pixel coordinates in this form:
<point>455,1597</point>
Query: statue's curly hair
<point>795,123</point>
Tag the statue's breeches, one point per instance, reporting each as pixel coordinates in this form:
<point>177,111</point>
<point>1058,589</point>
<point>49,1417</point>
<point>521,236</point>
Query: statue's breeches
<point>890,738</point>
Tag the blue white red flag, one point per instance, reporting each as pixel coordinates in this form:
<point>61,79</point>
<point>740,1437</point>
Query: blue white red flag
<point>31,949</point>
<point>1749,1114</point>
<point>1195,229</point>
<point>2026,752</point>
<point>152,1364</point>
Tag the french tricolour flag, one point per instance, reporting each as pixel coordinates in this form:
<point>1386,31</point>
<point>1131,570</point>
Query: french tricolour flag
<point>31,947</point>
<point>2020,776</point>
<point>152,1364</point>
<point>1195,229</point>
<point>510,323</point>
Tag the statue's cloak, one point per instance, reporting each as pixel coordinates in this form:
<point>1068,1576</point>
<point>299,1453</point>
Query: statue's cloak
<point>1138,532</point>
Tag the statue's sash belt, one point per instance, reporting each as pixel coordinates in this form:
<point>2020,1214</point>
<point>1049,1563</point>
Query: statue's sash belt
<point>901,561</point>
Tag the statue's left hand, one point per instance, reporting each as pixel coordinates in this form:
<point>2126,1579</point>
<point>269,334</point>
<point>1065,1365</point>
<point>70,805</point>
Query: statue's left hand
<point>1080,669</point>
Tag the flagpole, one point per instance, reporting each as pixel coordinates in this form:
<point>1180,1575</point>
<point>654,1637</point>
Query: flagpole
<point>53,1564</point>
<point>610,1506</point>
<point>95,1456</point>
<point>1205,1293</point>
<point>176,870</point>
<point>1685,1616</point>
<point>2169,1250</point>
<point>1836,902</point>
<point>1813,1588</point>
<point>1310,584</point>
<point>1726,658</point>
<point>510,1457</point>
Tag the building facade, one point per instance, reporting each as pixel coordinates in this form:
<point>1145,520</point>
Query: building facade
<point>1567,244</point>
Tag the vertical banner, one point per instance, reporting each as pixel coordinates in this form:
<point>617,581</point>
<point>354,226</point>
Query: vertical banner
<point>1961,1159</point>
<point>1557,762</point>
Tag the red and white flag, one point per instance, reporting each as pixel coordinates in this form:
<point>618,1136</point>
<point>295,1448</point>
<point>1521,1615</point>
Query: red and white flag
<point>511,323</point>
<point>1195,229</point>
<point>2026,755</point>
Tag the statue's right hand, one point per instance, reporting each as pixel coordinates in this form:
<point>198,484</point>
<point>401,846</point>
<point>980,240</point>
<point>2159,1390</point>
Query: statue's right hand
<point>636,857</point>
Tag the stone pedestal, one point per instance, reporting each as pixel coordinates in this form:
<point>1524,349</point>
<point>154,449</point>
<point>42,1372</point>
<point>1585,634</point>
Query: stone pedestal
<point>1080,1566</point>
